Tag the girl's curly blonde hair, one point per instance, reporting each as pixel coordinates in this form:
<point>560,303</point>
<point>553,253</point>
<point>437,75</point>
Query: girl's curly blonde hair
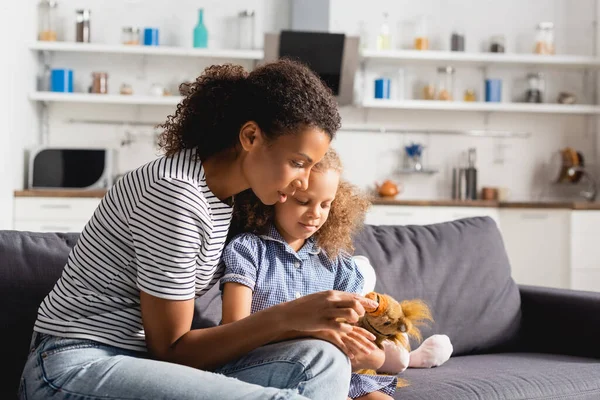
<point>346,215</point>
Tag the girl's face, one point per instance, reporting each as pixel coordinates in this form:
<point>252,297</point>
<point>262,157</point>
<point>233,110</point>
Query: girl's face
<point>276,170</point>
<point>306,211</point>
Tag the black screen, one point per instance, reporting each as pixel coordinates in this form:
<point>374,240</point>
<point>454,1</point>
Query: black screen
<point>322,52</point>
<point>68,168</point>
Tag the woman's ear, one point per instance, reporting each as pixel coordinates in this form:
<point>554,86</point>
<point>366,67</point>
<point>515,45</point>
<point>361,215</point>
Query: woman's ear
<point>250,135</point>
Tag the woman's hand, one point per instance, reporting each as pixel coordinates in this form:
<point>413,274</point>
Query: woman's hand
<point>356,344</point>
<point>331,309</point>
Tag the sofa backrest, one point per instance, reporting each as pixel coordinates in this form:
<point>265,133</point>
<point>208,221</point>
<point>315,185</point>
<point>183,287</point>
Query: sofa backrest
<point>460,269</point>
<point>30,264</point>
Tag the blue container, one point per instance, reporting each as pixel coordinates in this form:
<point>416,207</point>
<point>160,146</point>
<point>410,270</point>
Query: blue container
<point>493,90</point>
<point>61,80</point>
<point>150,36</point>
<point>382,88</point>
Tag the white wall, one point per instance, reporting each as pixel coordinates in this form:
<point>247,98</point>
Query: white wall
<point>524,165</point>
<point>18,117</point>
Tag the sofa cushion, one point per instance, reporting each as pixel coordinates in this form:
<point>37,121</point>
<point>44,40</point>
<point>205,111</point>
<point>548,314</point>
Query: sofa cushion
<point>30,264</point>
<point>508,376</point>
<point>459,268</point>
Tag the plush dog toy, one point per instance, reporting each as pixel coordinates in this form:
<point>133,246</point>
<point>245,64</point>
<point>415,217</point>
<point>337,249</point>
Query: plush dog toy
<point>394,321</point>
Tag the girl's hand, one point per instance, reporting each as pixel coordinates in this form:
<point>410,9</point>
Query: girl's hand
<point>331,309</point>
<point>358,343</point>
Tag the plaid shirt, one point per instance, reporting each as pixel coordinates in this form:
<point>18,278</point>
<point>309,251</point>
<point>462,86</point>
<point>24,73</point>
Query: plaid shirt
<point>276,273</point>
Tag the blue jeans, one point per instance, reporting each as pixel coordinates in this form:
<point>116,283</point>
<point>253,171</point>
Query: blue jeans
<point>60,368</point>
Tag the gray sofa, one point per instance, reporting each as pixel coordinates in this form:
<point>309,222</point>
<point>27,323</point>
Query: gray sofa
<point>510,342</point>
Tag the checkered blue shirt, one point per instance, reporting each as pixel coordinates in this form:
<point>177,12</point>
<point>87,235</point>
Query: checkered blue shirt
<point>276,273</point>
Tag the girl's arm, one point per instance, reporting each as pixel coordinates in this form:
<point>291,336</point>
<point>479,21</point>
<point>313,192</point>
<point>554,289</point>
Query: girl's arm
<point>237,300</point>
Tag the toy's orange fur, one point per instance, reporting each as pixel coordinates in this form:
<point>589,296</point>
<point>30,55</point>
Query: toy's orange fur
<point>392,319</point>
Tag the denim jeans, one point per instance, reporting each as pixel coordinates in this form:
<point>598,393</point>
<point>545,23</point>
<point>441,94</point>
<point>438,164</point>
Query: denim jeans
<point>61,368</point>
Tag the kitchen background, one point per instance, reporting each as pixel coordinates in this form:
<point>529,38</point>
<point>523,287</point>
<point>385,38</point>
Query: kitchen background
<point>517,144</point>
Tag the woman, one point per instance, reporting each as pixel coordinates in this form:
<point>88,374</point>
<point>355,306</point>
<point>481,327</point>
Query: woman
<point>117,322</point>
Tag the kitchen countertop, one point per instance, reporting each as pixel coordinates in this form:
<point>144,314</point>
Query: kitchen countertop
<point>569,205</point>
<point>60,193</point>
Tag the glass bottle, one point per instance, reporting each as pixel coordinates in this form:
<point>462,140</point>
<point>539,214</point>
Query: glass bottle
<point>200,32</point>
<point>384,40</point>
<point>544,38</point>
<point>457,41</point>
<point>497,44</point>
<point>422,34</point>
<point>82,26</point>
<point>535,92</point>
<point>47,20</point>
<point>445,87</point>
<point>99,83</point>
<point>130,35</point>
<point>246,29</point>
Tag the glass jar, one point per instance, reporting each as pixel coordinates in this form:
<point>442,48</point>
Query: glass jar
<point>422,34</point>
<point>445,87</point>
<point>99,83</point>
<point>47,25</point>
<point>246,27</point>
<point>544,38</point>
<point>130,35</point>
<point>470,95</point>
<point>497,44</point>
<point>457,41</point>
<point>535,91</point>
<point>429,92</point>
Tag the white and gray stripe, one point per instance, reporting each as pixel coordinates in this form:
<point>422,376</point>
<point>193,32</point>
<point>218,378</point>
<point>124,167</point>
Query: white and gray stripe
<point>159,229</point>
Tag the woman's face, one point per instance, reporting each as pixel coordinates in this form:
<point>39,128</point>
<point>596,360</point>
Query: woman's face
<point>275,170</point>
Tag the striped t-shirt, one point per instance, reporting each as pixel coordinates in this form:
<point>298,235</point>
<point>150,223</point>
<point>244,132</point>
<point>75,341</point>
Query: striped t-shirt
<point>158,229</point>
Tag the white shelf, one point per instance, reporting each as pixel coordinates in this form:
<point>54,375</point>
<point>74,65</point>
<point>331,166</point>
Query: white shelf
<point>479,59</point>
<point>483,107</point>
<point>425,171</point>
<point>147,50</point>
<point>105,98</point>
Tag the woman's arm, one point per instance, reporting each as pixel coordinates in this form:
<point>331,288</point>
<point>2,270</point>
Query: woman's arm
<point>168,336</point>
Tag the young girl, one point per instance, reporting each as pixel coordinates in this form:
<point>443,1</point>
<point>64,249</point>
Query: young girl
<point>117,324</point>
<point>301,247</point>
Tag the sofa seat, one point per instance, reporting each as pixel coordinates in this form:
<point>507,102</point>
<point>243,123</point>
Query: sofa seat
<point>507,376</point>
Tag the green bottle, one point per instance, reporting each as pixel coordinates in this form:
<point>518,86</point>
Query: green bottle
<point>200,32</point>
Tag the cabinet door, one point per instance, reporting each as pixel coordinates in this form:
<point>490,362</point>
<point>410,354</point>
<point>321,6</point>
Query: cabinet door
<point>585,250</point>
<point>50,226</point>
<point>399,215</point>
<point>445,214</point>
<point>538,245</point>
<point>54,208</point>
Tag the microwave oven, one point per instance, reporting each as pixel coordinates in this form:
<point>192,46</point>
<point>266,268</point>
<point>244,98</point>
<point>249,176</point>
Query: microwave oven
<point>70,168</point>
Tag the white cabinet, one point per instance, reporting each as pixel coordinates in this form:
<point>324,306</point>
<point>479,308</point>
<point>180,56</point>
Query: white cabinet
<point>53,214</point>
<point>400,215</point>
<point>538,245</point>
<point>424,215</point>
<point>444,214</point>
<point>585,250</point>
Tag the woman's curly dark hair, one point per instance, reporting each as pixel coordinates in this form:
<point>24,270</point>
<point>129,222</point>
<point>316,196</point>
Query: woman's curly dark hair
<point>280,96</point>
<point>346,215</point>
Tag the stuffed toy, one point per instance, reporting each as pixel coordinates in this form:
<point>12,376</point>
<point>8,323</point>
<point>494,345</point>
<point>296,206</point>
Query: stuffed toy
<point>393,323</point>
